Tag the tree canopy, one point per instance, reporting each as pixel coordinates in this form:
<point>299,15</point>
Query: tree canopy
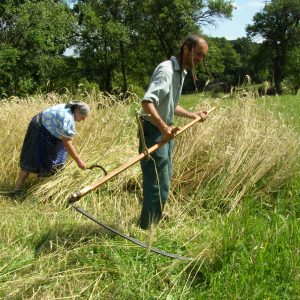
<point>278,26</point>
<point>33,37</point>
<point>118,43</point>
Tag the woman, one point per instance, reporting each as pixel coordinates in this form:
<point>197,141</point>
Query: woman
<point>48,140</point>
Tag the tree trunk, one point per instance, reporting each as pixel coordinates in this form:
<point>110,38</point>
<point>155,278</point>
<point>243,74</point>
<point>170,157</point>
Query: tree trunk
<point>107,71</point>
<point>123,67</point>
<point>278,66</point>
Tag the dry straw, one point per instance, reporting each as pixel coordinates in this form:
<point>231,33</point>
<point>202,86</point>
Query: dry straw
<point>102,138</point>
<point>241,150</point>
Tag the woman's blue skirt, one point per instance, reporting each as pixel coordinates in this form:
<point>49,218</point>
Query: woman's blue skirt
<point>42,153</point>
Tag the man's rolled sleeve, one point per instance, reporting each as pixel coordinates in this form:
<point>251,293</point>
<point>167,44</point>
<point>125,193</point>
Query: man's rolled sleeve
<point>158,88</point>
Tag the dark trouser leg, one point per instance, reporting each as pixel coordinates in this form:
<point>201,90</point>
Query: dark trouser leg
<point>156,178</point>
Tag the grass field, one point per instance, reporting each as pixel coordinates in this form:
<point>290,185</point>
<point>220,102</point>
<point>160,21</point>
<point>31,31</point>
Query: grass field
<point>234,208</point>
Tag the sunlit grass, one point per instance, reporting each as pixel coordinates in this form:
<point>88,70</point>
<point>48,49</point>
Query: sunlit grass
<point>233,207</point>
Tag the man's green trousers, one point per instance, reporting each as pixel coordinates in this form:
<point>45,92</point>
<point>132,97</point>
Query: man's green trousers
<point>157,173</point>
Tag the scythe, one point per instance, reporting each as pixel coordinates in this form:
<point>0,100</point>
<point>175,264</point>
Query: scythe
<point>81,193</point>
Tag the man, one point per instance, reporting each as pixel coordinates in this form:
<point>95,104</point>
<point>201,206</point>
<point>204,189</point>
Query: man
<point>159,105</point>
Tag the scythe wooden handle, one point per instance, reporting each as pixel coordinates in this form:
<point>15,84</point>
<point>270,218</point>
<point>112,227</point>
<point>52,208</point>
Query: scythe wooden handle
<point>76,196</point>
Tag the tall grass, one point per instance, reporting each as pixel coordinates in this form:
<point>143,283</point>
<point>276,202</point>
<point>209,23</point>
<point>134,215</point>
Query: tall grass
<point>243,150</point>
<point>228,209</point>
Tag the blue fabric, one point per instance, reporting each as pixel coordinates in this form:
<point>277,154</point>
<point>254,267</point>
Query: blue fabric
<point>53,154</point>
<point>59,121</point>
<point>157,174</point>
<point>30,153</point>
<point>42,153</point>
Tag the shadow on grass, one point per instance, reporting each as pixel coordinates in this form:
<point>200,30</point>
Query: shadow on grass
<point>7,192</point>
<point>65,236</point>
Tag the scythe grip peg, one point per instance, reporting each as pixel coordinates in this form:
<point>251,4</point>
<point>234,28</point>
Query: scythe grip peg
<point>74,197</point>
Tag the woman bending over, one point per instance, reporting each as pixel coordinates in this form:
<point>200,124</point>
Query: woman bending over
<point>48,140</point>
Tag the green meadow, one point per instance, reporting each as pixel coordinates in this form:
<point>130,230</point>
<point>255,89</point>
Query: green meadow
<point>233,208</point>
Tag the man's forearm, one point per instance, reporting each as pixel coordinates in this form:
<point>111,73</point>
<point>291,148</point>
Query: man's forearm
<point>182,112</point>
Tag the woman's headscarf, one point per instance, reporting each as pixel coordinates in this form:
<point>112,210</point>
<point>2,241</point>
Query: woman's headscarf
<point>82,107</point>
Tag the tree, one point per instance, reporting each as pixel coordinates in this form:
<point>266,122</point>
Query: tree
<point>104,33</point>
<point>117,36</point>
<point>169,21</point>
<point>33,37</point>
<point>292,69</point>
<point>250,65</point>
<point>118,42</point>
<point>278,26</point>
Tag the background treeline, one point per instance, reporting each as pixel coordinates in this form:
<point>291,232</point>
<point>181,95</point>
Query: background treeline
<point>117,43</point>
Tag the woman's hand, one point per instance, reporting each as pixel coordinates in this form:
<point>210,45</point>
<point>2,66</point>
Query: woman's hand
<point>72,152</point>
<point>81,164</point>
